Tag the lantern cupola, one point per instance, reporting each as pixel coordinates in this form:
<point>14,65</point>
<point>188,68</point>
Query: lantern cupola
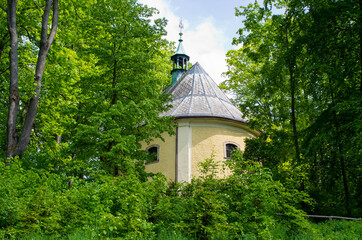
<point>180,60</point>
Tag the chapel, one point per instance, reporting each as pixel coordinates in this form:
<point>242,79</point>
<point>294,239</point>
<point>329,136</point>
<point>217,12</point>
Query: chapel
<point>207,123</point>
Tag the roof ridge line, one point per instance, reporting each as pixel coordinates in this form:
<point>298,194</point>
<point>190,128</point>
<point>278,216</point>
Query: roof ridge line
<point>178,82</point>
<point>223,103</point>
<point>207,100</point>
<point>213,86</point>
<point>192,91</point>
<point>178,106</point>
<point>220,99</point>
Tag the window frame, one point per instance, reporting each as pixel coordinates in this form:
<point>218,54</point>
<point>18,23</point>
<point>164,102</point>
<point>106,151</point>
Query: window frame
<point>225,148</point>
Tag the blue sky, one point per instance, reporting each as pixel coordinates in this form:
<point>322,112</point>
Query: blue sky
<point>209,27</point>
<point>220,13</point>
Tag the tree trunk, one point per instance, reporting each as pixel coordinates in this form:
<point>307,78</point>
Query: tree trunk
<point>114,94</point>
<point>13,94</point>
<point>294,120</point>
<point>360,41</point>
<point>114,169</point>
<point>344,178</point>
<point>58,139</point>
<point>340,152</point>
<point>45,43</point>
<point>291,64</point>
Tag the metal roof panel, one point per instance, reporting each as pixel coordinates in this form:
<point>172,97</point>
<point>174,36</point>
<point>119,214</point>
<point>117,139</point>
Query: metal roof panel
<point>196,94</point>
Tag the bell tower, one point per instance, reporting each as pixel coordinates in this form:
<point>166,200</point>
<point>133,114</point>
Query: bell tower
<point>180,60</point>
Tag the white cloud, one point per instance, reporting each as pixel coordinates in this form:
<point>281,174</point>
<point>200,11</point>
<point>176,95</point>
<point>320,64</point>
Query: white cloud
<point>203,42</point>
<point>164,7</point>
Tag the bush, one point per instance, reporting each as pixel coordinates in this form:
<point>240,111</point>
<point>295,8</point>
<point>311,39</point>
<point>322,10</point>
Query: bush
<point>338,229</point>
<point>248,204</point>
<point>36,201</point>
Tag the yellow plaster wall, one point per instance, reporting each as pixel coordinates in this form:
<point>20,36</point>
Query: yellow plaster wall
<point>167,150</point>
<point>208,137</point>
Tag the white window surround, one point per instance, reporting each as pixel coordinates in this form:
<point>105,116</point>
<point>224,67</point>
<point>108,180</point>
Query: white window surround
<point>225,148</point>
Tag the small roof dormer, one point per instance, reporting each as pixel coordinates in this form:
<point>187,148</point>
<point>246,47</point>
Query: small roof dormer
<point>180,60</point>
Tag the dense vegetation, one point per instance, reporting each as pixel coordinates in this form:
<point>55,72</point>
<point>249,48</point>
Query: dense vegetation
<point>100,91</point>
<point>249,204</point>
<point>242,205</point>
<point>298,77</point>
<point>80,87</point>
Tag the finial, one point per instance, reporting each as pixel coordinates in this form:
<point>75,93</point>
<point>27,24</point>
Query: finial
<point>181,26</point>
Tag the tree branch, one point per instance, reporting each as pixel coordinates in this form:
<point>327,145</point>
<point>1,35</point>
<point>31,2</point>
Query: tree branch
<point>2,44</point>
<point>28,8</point>
<point>6,69</point>
<point>54,23</point>
<point>4,9</point>
<point>76,12</point>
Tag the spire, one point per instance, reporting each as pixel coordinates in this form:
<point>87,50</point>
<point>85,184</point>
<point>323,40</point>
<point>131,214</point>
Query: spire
<point>180,49</point>
<point>180,59</point>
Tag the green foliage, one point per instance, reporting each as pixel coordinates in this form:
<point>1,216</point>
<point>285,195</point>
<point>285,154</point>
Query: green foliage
<point>292,79</point>
<point>101,96</point>
<point>28,200</point>
<point>101,90</point>
<point>274,151</point>
<point>36,201</point>
<point>119,104</point>
<point>82,174</point>
<point>338,229</point>
<point>248,203</point>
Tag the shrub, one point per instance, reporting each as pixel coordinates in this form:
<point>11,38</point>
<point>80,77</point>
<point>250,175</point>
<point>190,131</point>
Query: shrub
<point>36,201</point>
<point>248,203</point>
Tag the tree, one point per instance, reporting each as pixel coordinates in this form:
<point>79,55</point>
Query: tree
<point>270,53</point>
<point>4,65</point>
<point>118,104</point>
<point>101,90</point>
<point>333,79</point>
<point>296,64</point>
<point>17,145</point>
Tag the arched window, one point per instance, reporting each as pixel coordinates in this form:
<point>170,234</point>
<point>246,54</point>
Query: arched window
<point>154,152</point>
<point>230,147</point>
<point>181,63</point>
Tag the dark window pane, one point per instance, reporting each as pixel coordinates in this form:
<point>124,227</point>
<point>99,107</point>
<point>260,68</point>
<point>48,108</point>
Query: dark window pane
<point>153,151</point>
<point>230,148</point>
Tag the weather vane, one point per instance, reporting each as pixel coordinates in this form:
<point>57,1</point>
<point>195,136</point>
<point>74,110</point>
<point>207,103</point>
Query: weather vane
<point>181,26</point>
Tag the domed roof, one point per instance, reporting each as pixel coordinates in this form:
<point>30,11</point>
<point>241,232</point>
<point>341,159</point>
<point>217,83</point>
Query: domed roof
<point>196,95</point>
